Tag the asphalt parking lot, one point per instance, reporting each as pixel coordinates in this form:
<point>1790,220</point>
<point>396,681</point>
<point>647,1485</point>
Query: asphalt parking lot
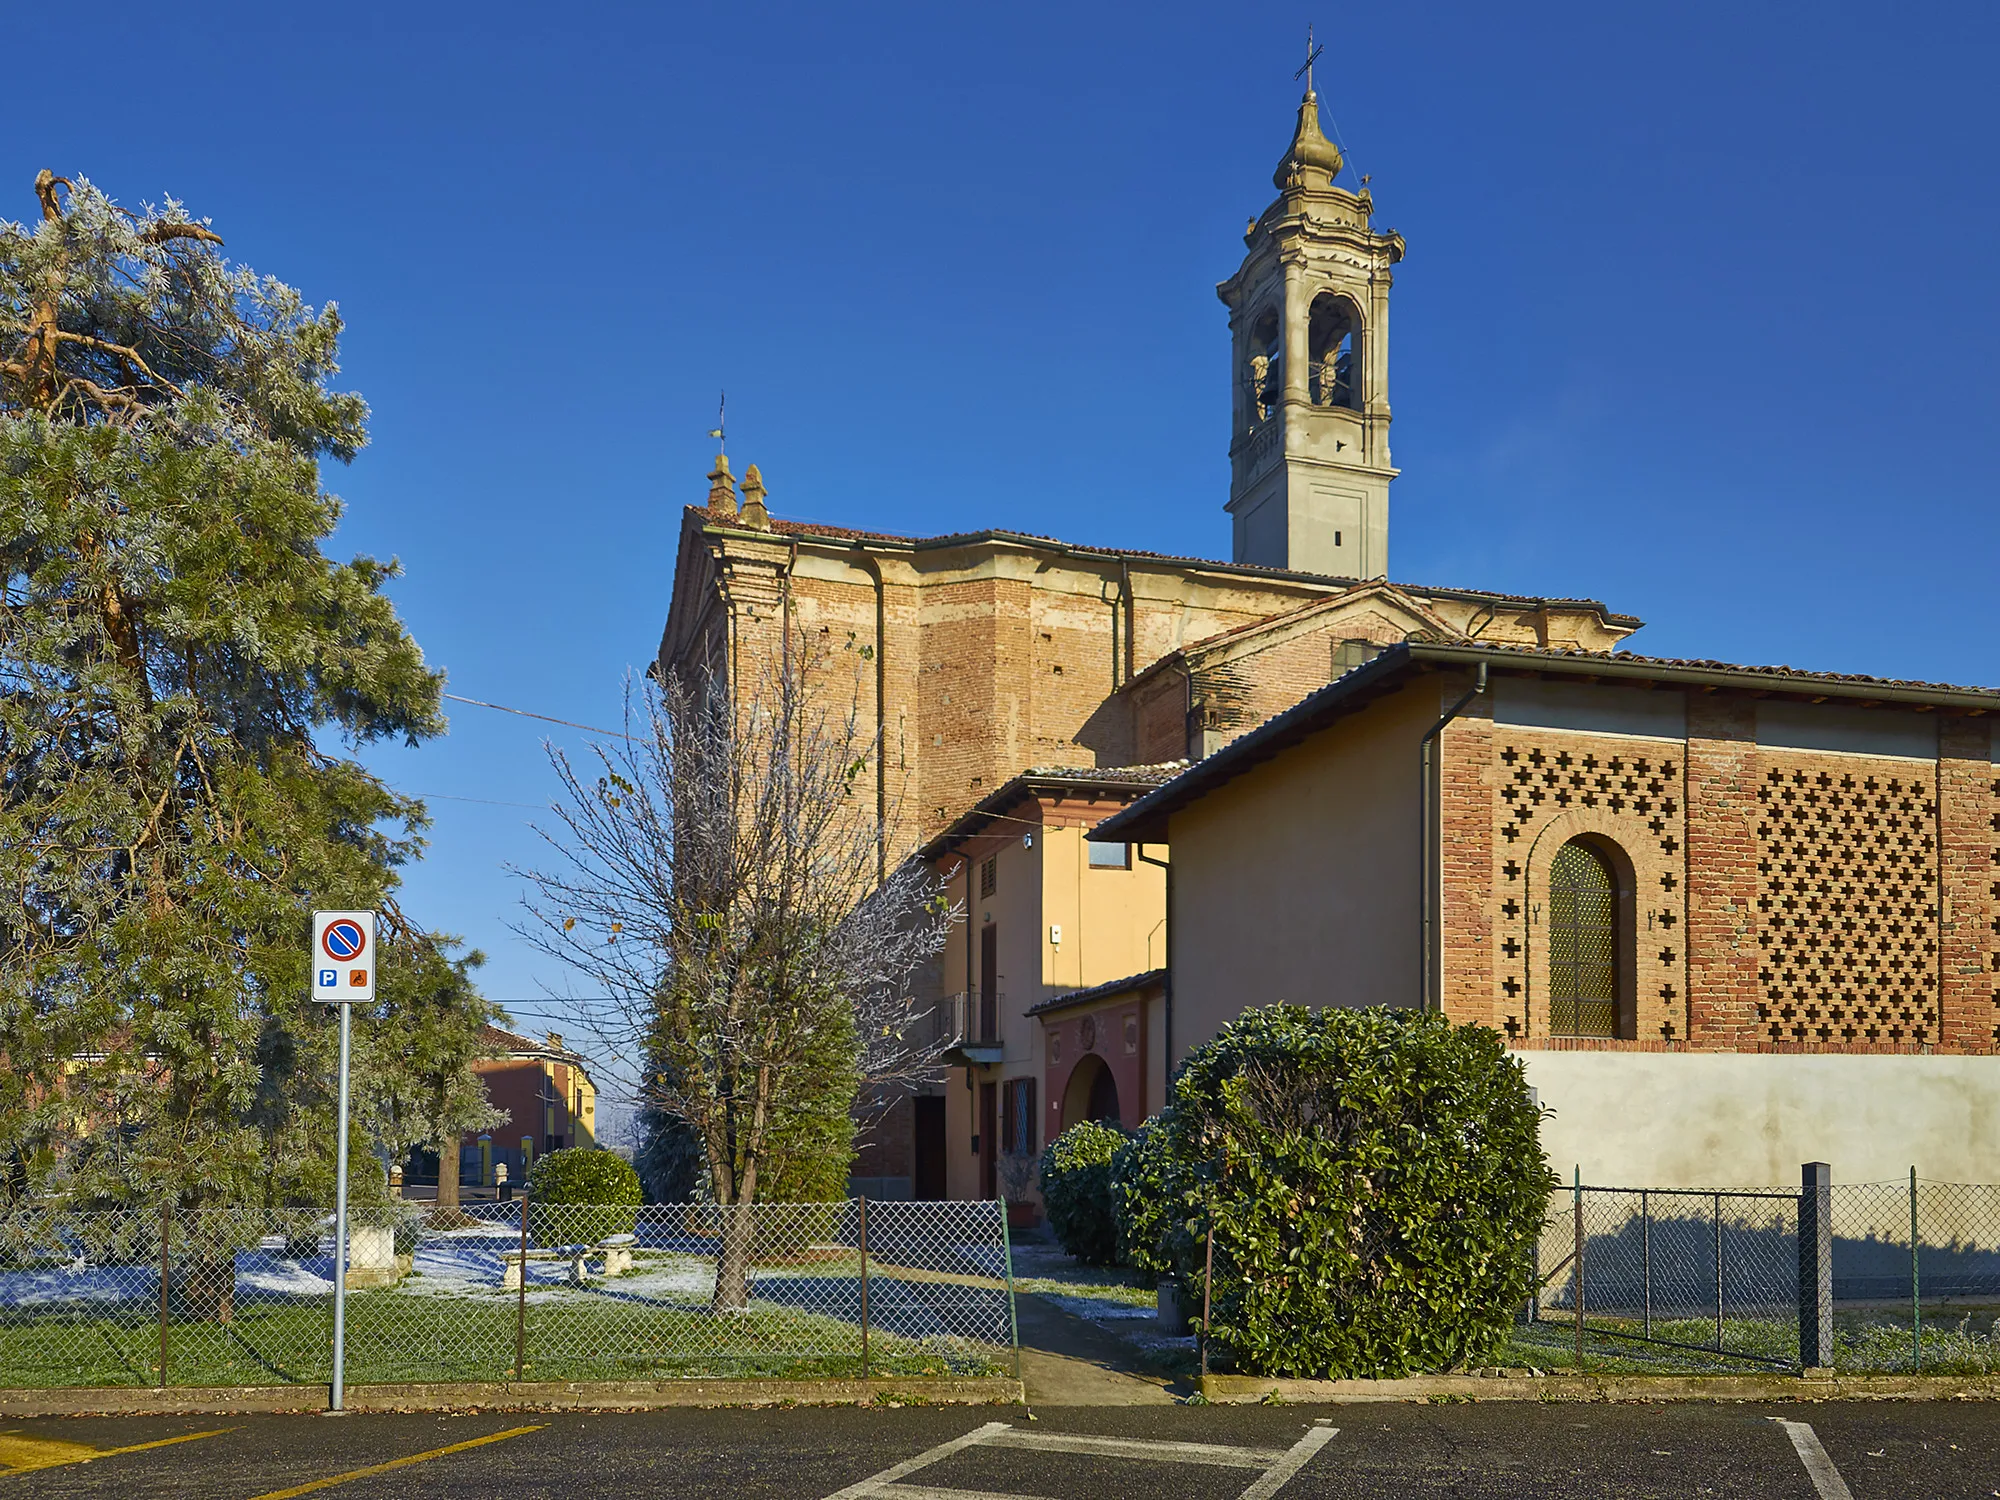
<point>1872,1451</point>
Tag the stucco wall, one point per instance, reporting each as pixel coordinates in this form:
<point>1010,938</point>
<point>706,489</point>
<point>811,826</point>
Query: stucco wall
<point>1655,1119</point>
<point>1298,882</point>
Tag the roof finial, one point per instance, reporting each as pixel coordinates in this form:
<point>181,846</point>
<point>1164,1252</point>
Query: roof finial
<point>1312,56</point>
<point>722,489</point>
<point>721,483</point>
<point>1310,151</point>
<point>755,515</point>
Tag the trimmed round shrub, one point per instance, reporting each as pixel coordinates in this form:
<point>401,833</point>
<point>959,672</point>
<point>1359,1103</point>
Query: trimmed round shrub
<point>1076,1188</point>
<point>1375,1181</point>
<point>579,1196</point>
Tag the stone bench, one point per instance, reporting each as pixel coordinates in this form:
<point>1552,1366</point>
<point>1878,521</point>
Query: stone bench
<point>615,1252</point>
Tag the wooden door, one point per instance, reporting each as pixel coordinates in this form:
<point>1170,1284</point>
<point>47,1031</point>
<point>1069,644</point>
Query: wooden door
<point>989,983</point>
<point>989,1140</point>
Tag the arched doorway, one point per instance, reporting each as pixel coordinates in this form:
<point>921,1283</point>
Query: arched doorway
<point>1092,1092</point>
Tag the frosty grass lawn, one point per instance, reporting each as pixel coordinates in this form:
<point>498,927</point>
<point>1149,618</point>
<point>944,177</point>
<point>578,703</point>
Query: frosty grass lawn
<point>99,1326</point>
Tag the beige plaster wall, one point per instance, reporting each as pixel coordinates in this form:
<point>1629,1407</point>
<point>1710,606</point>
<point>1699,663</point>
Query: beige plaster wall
<point>1707,1119</point>
<point>1298,882</point>
<point>1114,922</point>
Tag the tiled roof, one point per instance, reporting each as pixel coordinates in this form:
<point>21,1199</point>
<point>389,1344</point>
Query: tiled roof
<point>994,803</point>
<point>1146,819</point>
<point>792,528</point>
<point>498,1040</point>
<point>1097,992</point>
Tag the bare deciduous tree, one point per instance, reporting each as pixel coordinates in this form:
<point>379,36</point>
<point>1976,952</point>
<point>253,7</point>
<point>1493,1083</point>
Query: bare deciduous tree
<point>717,884</point>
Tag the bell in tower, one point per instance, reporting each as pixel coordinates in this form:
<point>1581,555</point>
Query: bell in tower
<point>1309,334</point>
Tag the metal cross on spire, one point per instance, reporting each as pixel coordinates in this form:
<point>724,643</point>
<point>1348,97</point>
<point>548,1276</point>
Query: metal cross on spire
<point>1312,56</point>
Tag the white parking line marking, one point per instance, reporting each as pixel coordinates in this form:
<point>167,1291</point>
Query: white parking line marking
<point>1819,1468</point>
<point>873,1484</point>
<point>1157,1452</point>
<point>1278,1465</point>
<point>1315,1439</point>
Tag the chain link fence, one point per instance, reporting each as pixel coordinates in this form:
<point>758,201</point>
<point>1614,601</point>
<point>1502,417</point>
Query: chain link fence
<point>1692,1279</point>
<point>499,1291</point>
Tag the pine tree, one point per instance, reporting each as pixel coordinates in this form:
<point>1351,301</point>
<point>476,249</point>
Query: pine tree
<point>184,675</point>
<point>423,1092</point>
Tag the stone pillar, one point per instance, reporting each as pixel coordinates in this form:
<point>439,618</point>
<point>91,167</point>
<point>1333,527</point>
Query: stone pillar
<point>1465,935</point>
<point>1721,873</point>
<point>1967,839</point>
<point>1298,310</point>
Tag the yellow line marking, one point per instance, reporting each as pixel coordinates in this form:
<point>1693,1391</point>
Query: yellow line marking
<point>398,1463</point>
<point>23,1455</point>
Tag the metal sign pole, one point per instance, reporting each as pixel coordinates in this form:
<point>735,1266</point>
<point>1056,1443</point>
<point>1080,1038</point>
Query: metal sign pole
<point>342,961</point>
<point>340,1224</point>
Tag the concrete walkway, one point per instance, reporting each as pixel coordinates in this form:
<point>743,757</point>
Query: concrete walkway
<point>1067,1361</point>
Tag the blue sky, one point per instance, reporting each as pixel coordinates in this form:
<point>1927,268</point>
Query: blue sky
<point>1698,315</point>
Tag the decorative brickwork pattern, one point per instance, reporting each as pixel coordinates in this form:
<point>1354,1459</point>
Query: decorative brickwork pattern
<point>1993,911</point>
<point>1556,787</point>
<point>1847,904</point>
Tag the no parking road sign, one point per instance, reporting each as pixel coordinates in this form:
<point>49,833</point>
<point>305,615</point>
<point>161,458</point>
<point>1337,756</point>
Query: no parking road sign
<point>343,956</point>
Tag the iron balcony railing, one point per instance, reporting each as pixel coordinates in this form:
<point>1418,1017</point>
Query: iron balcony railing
<point>970,1018</point>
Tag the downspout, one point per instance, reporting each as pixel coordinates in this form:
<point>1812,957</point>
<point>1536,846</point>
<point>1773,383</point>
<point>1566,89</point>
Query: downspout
<point>1429,838</point>
<point>1167,984</point>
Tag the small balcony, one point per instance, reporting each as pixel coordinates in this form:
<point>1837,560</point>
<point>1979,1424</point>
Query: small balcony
<point>968,1027</point>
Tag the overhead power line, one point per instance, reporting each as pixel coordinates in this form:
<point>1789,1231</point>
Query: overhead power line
<point>616,734</point>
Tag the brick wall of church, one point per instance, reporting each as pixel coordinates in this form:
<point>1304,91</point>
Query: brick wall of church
<point>984,671</point>
<point>1782,899</point>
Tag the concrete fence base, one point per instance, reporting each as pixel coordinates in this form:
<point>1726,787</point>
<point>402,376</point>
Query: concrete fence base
<point>1240,1390</point>
<point>529,1395</point>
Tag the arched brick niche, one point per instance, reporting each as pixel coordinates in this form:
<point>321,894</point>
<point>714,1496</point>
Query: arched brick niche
<point>1095,1062</point>
<point>1626,800</point>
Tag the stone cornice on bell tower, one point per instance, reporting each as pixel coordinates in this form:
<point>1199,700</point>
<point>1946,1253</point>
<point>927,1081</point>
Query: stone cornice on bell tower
<point>1309,409</point>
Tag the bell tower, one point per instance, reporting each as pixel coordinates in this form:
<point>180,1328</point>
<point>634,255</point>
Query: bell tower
<point>1309,463</point>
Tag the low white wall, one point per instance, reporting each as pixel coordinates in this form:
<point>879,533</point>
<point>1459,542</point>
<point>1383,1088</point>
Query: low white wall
<point>1694,1119</point>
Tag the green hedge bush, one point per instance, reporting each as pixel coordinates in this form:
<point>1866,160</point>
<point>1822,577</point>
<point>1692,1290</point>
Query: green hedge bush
<point>1076,1189</point>
<point>579,1196</point>
<point>1142,1203</point>
<point>1376,1184</point>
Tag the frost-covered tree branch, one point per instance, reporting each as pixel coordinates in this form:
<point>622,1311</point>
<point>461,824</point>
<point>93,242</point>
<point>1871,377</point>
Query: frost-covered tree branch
<point>715,881</point>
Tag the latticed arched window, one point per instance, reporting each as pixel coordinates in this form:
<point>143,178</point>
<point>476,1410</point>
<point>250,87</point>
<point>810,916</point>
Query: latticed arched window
<point>1583,943</point>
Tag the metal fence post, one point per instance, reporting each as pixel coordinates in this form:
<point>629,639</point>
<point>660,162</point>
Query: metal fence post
<point>166,1235</point>
<point>1718,1273</point>
<point>1646,1261</point>
<point>1207,1280</point>
<point>1578,1298</point>
<point>1013,1318</point>
<point>864,1285</point>
<point>1916,1306</point>
<point>1815,1266</point>
<point>521,1297</point>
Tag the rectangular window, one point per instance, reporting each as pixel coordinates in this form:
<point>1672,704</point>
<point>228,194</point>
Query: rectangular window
<point>1017,1117</point>
<point>1109,856</point>
<point>989,876</point>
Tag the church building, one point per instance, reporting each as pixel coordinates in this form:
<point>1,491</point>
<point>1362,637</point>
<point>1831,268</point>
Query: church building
<point>1731,918</point>
<point>1027,689</point>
